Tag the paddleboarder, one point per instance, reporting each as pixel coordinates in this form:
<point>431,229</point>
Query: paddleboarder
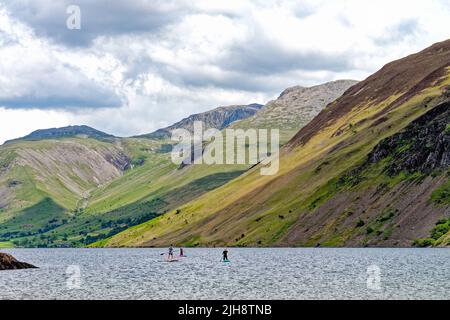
<point>181,252</point>
<point>225,255</point>
<point>170,256</point>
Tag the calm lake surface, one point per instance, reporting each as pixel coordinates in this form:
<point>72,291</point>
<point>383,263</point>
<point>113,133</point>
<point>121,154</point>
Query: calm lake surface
<point>252,274</point>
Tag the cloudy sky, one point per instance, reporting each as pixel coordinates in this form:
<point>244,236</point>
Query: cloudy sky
<point>138,65</point>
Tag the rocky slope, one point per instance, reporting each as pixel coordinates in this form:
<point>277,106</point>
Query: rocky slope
<point>295,107</point>
<point>423,146</point>
<point>218,118</point>
<point>378,128</point>
<point>396,196</point>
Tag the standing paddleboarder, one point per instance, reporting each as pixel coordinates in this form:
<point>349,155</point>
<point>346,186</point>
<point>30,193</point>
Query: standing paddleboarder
<point>225,255</point>
<point>170,256</point>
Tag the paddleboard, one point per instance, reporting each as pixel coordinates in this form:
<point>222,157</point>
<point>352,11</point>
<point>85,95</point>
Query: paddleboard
<point>226,261</point>
<point>173,260</point>
<point>183,256</point>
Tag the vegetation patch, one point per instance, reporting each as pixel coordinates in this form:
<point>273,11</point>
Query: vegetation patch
<point>388,215</point>
<point>424,243</point>
<point>381,225</point>
<point>6,245</point>
<point>438,234</point>
<point>360,223</point>
<point>441,196</point>
<point>447,129</point>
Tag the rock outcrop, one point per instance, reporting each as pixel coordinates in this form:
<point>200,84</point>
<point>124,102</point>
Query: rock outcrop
<point>219,118</point>
<point>8,262</point>
<point>296,106</point>
<point>423,146</point>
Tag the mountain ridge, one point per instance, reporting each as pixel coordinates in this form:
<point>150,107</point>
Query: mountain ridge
<point>430,65</point>
<point>310,201</point>
<point>63,132</point>
<point>218,118</point>
<point>295,107</point>
<point>64,188</point>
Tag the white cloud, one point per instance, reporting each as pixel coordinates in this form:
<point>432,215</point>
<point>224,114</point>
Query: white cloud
<point>18,123</point>
<point>166,60</point>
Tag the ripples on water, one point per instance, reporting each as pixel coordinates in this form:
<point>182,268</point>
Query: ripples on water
<point>252,274</point>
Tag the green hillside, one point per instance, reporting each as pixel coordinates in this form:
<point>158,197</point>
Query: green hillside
<point>331,190</point>
<point>74,191</point>
<point>44,182</point>
<point>76,185</point>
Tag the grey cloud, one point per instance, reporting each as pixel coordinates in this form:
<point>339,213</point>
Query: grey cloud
<point>398,32</point>
<point>92,100</point>
<point>303,10</point>
<point>248,66</point>
<point>98,18</point>
<point>227,80</point>
<point>60,88</point>
<point>245,64</point>
<point>265,58</point>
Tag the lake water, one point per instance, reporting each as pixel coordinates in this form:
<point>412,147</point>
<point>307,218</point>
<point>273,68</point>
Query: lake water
<point>252,274</point>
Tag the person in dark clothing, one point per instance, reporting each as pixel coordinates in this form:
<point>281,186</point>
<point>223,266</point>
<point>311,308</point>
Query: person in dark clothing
<point>170,256</point>
<point>225,255</point>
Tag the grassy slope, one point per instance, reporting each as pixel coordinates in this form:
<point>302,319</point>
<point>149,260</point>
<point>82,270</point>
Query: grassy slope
<point>45,166</point>
<point>57,204</point>
<point>369,206</point>
<point>255,210</point>
<point>173,181</point>
<point>135,184</point>
<point>45,182</point>
<point>164,182</point>
<point>439,235</point>
<point>6,245</point>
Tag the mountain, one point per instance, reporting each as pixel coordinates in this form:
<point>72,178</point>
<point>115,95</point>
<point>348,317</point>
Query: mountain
<point>65,132</point>
<point>295,108</point>
<point>74,186</point>
<point>370,170</point>
<point>43,182</point>
<point>218,118</point>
